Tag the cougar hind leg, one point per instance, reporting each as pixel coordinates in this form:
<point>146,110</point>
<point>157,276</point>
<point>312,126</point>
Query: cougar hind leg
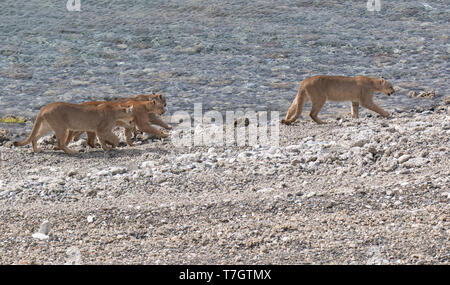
<point>44,128</point>
<point>61,136</point>
<point>317,105</point>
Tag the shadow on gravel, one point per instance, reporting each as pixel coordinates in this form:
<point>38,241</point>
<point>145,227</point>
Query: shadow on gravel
<point>99,153</point>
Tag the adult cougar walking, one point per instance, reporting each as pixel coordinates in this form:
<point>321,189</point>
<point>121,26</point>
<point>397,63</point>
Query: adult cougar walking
<point>320,88</point>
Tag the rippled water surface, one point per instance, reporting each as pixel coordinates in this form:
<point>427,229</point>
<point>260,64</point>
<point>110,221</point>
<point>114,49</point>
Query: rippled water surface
<point>226,54</point>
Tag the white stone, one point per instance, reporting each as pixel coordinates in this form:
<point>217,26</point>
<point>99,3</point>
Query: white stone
<point>73,256</point>
<point>148,164</point>
<point>118,170</point>
<point>415,162</point>
<point>40,236</point>
<point>294,148</point>
<point>103,172</point>
<point>404,158</point>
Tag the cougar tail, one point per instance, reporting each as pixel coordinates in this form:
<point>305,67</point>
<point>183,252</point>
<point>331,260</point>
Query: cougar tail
<point>34,131</point>
<point>296,107</point>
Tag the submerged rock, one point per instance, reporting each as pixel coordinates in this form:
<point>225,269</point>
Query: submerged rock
<point>3,135</point>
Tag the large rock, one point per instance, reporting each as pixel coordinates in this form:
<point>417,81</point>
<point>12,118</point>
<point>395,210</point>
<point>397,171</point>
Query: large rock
<point>43,232</point>
<point>404,158</point>
<point>415,162</point>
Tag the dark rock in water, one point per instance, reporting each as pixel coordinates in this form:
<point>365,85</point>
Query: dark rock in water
<point>412,94</point>
<point>3,135</point>
<point>425,94</point>
<point>446,100</point>
<point>18,75</point>
<point>17,71</point>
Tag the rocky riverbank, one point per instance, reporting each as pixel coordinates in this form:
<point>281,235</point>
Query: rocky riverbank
<point>354,191</point>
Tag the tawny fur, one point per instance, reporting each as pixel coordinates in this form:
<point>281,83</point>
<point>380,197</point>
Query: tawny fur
<point>359,90</point>
<point>64,117</point>
<point>141,119</point>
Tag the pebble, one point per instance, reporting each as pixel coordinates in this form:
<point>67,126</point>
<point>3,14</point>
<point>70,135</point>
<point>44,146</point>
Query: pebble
<point>3,135</point>
<point>118,170</point>
<point>40,236</point>
<point>415,162</point>
<point>295,162</point>
<point>45,227</point>
<point>148,164</point>
<point>112,171</point>
<point>404,158</point>
<point>73,256</point>
<point>72,172</point>
<point>360,143</point>
<point>295,148</point>
<point>43,232</point>
<point>446,194</point>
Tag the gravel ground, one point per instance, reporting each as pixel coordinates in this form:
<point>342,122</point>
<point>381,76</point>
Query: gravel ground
<point>354,191</point>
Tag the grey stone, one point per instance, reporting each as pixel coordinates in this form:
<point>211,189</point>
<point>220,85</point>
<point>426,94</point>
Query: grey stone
<point>404,158</point>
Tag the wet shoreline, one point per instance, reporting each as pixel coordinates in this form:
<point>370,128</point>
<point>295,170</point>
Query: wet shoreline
<point>226,55</point>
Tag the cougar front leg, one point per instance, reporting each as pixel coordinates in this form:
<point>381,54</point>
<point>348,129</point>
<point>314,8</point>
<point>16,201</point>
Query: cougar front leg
<point>128,131</point>
<point>108,138</point>
<point>155,119</point>
<point>374,107</point>
<point>128,135</point>
<point>355,110</point>
<point>145,127</point>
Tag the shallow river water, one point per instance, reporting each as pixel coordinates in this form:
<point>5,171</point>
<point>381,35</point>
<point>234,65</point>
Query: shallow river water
<point>226,54</point>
